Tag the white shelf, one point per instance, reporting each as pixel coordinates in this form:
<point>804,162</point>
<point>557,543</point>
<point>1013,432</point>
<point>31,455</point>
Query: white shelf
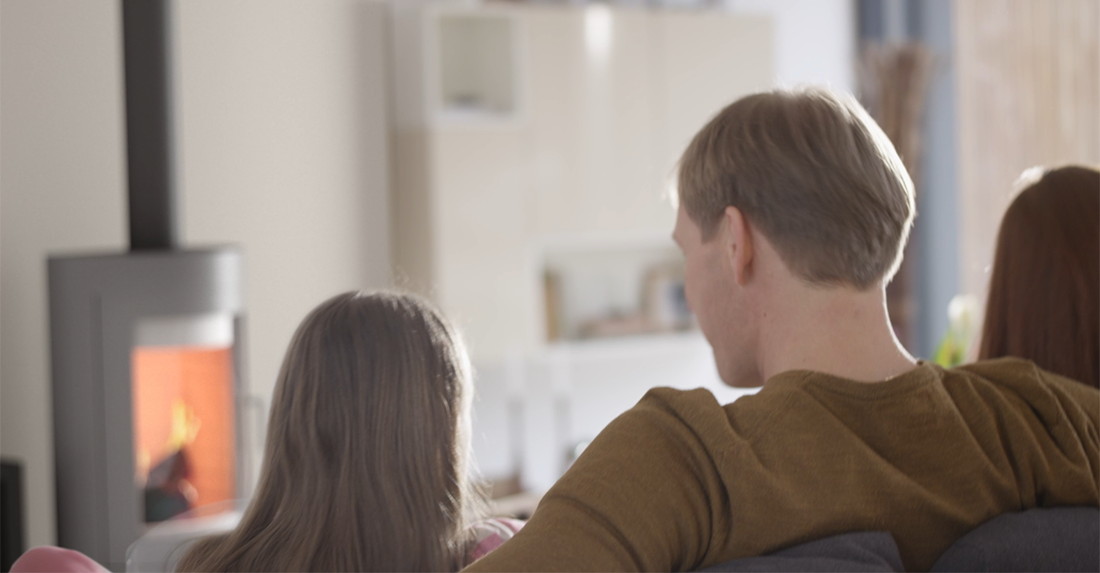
<point>473,67</point>
<point>602,283</point>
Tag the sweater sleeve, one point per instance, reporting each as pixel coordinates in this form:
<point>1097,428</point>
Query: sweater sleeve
<point>640,498</point>
<point>1081,405</point>
<point>1086,397</point>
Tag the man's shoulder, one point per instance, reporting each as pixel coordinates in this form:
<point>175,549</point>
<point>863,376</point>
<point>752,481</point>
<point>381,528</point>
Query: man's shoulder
<point>698,412</point>
<point>688,407</point>
<point>1006,370</point>
<point>1016,374</point>
<point>1027,382</point>
<point>692,419</point>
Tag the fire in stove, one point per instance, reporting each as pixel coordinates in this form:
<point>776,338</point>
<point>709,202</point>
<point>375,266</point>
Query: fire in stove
<point>184,435</point>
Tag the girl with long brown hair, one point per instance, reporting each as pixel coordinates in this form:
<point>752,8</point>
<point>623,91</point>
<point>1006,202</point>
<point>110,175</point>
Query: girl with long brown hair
<point>1044,295</point>
<point>365,467</point>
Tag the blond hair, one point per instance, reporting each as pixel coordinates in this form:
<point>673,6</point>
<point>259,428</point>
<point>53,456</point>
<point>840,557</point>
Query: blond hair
<point>814,173</point>
<point>365,467</point>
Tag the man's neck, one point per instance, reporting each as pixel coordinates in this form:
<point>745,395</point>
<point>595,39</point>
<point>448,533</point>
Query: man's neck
<point>837,331</point>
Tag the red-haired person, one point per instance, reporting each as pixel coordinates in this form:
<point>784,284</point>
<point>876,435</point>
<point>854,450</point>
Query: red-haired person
<point>1044,295</point>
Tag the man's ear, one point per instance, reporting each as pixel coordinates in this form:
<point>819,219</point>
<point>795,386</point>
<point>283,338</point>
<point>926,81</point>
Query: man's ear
<point>739,247</point>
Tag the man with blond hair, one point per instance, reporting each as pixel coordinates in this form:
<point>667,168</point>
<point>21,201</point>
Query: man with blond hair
<point>794,209</point>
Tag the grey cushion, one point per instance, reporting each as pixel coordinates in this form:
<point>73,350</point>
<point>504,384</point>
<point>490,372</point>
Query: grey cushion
<point>861,551</point>
<point>1055,539</point>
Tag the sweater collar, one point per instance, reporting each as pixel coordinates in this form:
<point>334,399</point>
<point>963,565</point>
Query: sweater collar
<point>923,374</point>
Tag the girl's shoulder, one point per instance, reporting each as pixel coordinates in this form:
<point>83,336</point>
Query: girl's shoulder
<point>488,534</point>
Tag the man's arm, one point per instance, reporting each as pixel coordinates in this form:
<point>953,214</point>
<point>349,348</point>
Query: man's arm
<point>1082,409</point>
<point>640,497</point>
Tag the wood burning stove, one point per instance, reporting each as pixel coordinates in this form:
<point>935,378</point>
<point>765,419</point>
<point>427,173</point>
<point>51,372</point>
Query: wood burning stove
<point>144,344</point>
<point>145,379</point>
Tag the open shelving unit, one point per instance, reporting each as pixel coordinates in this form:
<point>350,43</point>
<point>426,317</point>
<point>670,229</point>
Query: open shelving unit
<point>621,285</point>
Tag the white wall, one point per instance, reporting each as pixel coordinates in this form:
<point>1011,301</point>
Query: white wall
<point>815,40</point>
<point>284,148</point>
<point>62,184</point>
<point>283,151</point>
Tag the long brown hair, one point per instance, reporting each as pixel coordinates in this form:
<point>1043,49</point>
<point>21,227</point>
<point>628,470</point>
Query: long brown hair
<point>365,467</point>
<point>1044,295</point>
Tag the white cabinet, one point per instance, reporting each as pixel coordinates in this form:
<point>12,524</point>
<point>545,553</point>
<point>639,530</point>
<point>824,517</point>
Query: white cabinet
<point>534,137</point>
<point>576,117</point>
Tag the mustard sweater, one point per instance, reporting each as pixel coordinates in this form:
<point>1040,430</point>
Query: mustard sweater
<point>680,482</point>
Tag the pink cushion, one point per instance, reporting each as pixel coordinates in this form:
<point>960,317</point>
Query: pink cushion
<point>48,558</point>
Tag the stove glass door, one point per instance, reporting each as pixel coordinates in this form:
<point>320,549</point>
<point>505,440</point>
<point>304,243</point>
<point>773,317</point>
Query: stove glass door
<point>184,421</point>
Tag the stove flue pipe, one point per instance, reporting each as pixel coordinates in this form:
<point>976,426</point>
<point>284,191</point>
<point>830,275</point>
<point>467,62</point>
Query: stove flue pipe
<point>150,145</point>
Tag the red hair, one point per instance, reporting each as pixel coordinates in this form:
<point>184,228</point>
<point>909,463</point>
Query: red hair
<point>1044,295</point>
